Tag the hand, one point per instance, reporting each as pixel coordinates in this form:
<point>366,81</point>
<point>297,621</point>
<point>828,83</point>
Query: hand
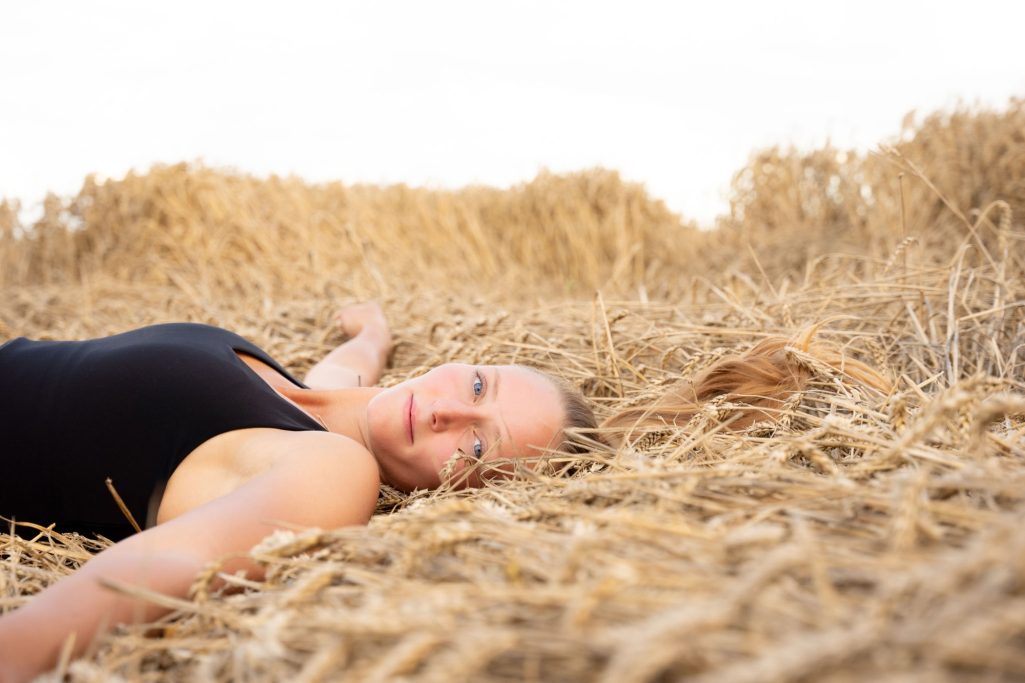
<point>368,318</point>
<point>352,319</point>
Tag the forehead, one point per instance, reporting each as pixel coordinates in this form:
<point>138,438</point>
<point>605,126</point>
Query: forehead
<point>529,410</point>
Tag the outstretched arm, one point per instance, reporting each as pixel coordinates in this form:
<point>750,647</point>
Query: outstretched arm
<point>166,558</point>
<point>360,360</point>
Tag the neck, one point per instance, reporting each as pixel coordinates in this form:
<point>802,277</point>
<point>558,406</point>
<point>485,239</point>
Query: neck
<point>342,411</point>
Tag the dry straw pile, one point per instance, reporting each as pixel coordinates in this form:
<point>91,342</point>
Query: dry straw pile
<point>863,536</point>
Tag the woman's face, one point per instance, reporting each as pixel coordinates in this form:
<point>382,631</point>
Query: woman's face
<point>485,412</point>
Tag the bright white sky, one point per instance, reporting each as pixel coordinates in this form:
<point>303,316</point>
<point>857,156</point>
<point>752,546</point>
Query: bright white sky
<point>444,93</point>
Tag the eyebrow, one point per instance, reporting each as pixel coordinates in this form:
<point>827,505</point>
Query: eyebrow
<point>494,398</point>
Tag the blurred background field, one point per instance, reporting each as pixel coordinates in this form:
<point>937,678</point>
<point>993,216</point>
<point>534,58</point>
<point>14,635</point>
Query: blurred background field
<point>864,536</point>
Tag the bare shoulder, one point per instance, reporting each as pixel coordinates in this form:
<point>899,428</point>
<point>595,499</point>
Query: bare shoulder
<point>324,452</point>
<point>315,470</point>
<point>318,480</point>
<point>327,472</point>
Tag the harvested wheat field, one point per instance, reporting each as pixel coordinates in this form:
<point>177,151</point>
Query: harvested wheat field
<point>862,535</point>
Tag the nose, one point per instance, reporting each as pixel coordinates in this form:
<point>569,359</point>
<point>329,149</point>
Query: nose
<point>446,413</point>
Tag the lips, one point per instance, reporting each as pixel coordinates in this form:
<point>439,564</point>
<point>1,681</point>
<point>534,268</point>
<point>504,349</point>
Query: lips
<point>409,418</point>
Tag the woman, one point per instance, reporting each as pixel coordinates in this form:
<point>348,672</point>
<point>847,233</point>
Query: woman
<point>327,448</point>
<point>197,435</point>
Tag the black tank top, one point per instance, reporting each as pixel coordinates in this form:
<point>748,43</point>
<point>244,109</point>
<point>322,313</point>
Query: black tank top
<point>129,407</point>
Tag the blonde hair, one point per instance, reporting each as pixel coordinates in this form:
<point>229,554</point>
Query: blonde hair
<point>757,383</point>
<point>580,417</point>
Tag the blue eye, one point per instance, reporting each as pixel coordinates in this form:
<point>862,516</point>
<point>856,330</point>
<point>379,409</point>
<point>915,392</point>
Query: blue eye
<point>478,385</point>
<point>478,448</point>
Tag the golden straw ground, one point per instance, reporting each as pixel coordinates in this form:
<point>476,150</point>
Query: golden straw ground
<point>863,536</point>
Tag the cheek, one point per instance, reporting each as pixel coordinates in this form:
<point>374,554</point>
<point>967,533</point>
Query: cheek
<point>437,451</point>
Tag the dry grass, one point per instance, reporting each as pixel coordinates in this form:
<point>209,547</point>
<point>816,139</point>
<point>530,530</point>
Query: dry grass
<point>861,537</point>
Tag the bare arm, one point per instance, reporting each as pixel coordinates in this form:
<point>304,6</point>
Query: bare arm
<point>166,558</point>
<point>360,360</point>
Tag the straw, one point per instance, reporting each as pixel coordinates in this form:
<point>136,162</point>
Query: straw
<point>858,536</point>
